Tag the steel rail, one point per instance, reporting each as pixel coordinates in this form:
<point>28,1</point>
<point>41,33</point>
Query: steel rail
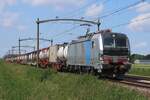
<point>138,81</point>
<point>136,84</point>
<point>138,77</point>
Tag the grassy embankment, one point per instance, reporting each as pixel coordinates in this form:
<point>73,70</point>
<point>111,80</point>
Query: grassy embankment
<point>140,69</point>
<point>19,82</point>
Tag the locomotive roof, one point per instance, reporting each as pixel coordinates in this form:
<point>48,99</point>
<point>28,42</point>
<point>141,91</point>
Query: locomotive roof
<point>103,33</point>
<point>111,33</point>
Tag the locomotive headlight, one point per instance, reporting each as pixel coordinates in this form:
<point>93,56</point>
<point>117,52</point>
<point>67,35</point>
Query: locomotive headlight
<point>113,35</point>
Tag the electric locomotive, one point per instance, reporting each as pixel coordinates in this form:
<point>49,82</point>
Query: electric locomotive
<point>104,52</point>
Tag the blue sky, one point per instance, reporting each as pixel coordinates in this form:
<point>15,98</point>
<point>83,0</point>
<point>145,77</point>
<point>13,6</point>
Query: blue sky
<point>17,19</point>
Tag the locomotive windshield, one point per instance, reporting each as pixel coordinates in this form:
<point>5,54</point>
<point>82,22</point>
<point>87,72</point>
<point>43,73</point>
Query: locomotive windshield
<point>121,42</point>
<point>114,41</point>
<point>108,42</point>
<point>115,44</point>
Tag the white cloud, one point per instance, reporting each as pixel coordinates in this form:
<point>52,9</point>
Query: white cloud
<point>9,19</point>
<point>55,3</point>
<point>5,3</point>
<point>140,24</point>
<point>143,7</point>
<point>140,45</point>
<point>10,2</point>
<point>94,10</point>
<point>2,6</point>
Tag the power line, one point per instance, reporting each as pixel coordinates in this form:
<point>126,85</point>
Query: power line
<point>66,31</point>
<point>119,25</point>
<point>79,9</point>
<point>83,7</point>
<point>133,8</point>
<point>121,9</point>
<point>142,19</point>
<point>112,13</point>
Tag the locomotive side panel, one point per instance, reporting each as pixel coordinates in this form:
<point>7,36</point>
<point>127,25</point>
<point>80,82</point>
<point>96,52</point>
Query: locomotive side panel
<point>87,48</point>
<point>80,54</point>
<point>96,53</point>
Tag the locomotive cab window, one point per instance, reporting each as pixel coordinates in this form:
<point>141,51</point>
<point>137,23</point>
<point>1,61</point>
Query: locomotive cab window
<point>115,41</point>
<point>108,42</point>
<point>121,42</point>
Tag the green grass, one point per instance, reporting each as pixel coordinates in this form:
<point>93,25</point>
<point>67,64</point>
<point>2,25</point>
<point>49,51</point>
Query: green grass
<point>141,65</point>
<point>140,69</point>
<point>19,82</point>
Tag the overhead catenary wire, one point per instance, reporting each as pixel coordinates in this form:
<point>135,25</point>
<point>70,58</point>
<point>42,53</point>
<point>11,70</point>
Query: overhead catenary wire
<point>74,12</point>
<point>120,9</point>
<point>135,21</point>
<point>78,10</point>
<point>105,1</point>
<point>112,13</point>
<point>133,8</point>
<point>69,30</point>
<point>66,31</point>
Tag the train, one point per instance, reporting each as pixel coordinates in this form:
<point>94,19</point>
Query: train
<point>104,53</point>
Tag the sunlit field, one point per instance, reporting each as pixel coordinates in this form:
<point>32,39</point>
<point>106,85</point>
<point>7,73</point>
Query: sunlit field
<point>140,69</point>
<point>20,82</point>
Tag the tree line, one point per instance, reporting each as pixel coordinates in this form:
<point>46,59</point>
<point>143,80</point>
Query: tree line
<point>134,57</point>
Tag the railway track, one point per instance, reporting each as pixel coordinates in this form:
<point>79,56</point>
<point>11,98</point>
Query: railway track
<point>137,81</point>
